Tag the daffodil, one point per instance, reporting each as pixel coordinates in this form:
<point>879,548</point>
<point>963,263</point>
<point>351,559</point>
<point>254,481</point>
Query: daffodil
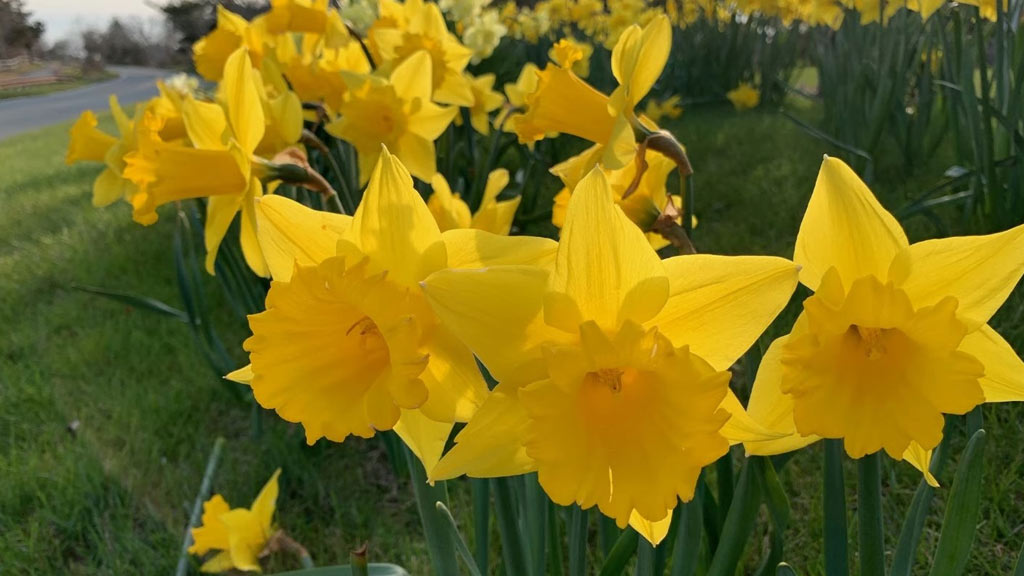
<point>612,364</point>
<point>211,53</point>
<point>396,112</point>
<point>422,28</point>
<point>348,345</point>
<point>494,216</point>
<point>647,198</point>
<point>896,334</point>
<point>517,93</point>
<point>744,97</point>
<point>483,34</point>
<point>485,101</point>
<point>220,164</point>
<point>88,143</point>
<point>237,535</point>
<point>564,103</point>
<point>574,54</point>
<point>285,16</point>
<point>667,108</point>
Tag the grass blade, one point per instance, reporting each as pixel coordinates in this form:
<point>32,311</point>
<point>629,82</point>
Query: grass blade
<point>136,301</point>
<point>460,543</point>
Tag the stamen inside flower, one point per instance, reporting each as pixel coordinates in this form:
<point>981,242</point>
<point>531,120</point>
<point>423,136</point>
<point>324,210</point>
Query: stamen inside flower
<point>872,340</point>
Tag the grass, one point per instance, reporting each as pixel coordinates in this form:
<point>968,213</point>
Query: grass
<point>59,86</point>
<point>113,497</point>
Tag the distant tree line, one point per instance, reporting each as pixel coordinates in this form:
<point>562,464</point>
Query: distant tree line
<point>19,34</point>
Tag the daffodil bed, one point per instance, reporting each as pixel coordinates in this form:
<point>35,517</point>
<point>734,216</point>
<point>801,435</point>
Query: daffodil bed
<point>581,347</point>
<point>110,498</point>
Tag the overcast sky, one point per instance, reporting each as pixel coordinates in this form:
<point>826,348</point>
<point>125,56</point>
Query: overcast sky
<point>64,16</point>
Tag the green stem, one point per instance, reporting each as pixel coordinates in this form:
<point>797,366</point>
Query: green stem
<point>513,549</point>
<point>836,555</point>
<point>481,488</point>
<point>687,545</point>
<point>578,520</point>
<point>871,533</point>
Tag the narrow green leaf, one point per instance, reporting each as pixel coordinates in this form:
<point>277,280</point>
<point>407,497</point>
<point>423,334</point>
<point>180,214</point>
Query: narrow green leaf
<point>460,543</point>
<point>778,512</point>
<point>136,301</point>
<point>440,544</point>
<point>481,488</point>
<point>578,520</point>
<point>785,570</point>
<point>513,549</point>
<point>688,538</point>
<point>913,525</point>
<point>346,570</point>
<point>644,558</point>
<point>621,552</point>
<point>739,522</point>
<point>961,520</point>
<point>837,562</point>
<point>536,523</point>
<point>870,530</point>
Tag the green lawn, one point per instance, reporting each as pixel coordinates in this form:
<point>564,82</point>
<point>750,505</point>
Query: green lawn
<point>114,497</point>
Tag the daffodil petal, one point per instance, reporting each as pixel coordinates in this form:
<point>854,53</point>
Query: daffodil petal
<point>1004,371</point>
<point>498,313</point>
<point>845,227</point>
<point>720,305</point>
<point>243,375</point>
<point>291,233</point>
<point>250,244</point>
<point>653,532</point>
<point>490,445</point>
<point>921,459</point>
<point>468,248</point>
<point>741,427</point>
<point>393,226</point>
<point>605,269</point>
<point>220,212</point>
<point>456,386</point>
<point>242,99</point>
<point>266,501</point>
<point>772,409</point>
<point>980,271</point>
<point>413,77</point>
<point>425,437</point>
<point>205,124</point>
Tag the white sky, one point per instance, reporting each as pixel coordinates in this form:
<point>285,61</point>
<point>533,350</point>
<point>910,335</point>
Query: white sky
<point>64,17</point>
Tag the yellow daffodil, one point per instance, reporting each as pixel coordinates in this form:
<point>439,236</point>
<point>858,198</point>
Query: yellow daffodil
<point>88,143</point>
<point>425,29</point>
<point>517,93</point>
<point>667,108</point>
<point>221,164</point>
<point>564,103</point>
<point>238,535</point>
<point>645,203</point>
<point>612,364</point>
<point>354,283</point>
<point>494,216</point>
<point>315,67</point>
<point>396,112</point>
<point>485,101</point>
<point>297,16</point>
<point>574,54</point>
<point>744,97</point>
<point>895,335</point>
<point>210,53</point>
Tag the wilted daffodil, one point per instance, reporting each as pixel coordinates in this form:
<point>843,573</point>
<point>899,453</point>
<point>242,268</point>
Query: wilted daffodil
<point>221,164</point>
<point>396,112</point>
<point>744,97</point>
<point>237,535</point>
<point>348,344</point>
<point>564,103</point>
<point>494,216</point>
<point>421,26</point>
<point>895,335</point>
<point>612,363</point>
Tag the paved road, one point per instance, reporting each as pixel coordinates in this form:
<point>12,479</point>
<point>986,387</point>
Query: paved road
<point>23,114</point>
